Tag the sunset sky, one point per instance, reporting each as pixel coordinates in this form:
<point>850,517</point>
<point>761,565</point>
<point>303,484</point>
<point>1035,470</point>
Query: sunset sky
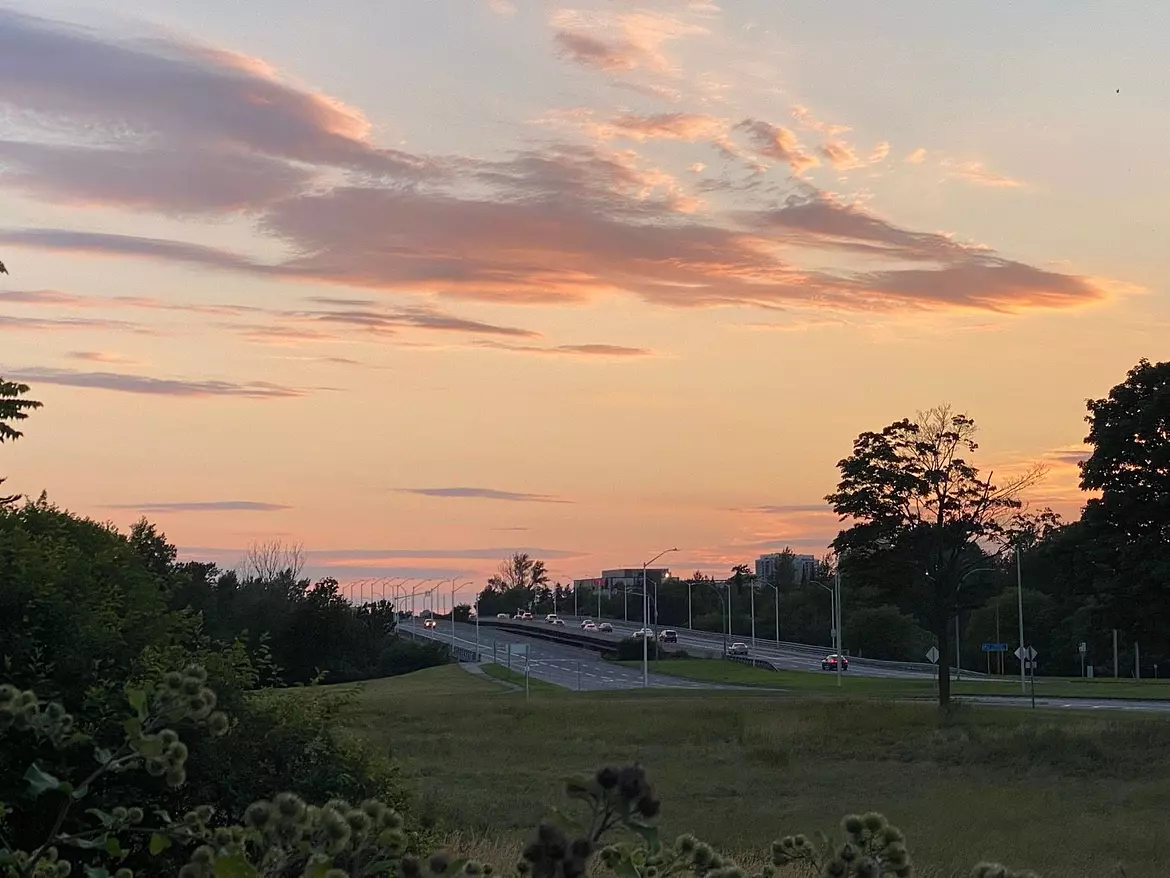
<point>422,282</point>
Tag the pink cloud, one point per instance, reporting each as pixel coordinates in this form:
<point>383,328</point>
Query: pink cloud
<point>779,144</point>
<point>621,42</point>
<point>977,174</point>
<point>916,157</point>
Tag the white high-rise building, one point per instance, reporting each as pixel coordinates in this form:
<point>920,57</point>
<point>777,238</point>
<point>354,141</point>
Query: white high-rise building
<point>804,567</point>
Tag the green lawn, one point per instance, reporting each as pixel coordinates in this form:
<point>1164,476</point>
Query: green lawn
<point>1068,794</point>
<point>500,672</point>
<point>719,671</point>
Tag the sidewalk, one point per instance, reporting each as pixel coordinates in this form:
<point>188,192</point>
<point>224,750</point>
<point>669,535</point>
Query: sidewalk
<point>476,669</point>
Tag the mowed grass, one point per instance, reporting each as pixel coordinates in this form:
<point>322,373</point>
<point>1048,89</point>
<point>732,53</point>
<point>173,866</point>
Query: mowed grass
<point>719,671</point>
<point>516,678</point>
<point>1068,794</point>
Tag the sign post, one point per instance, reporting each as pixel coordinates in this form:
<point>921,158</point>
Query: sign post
<point>989,648</point>
<point>931,654</point>
<point>1027,656</point>
<point>1082,649</point>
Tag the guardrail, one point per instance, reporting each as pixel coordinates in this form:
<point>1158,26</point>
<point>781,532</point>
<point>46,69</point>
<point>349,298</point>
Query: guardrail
<point>459,653</point>
<point>544,631</point>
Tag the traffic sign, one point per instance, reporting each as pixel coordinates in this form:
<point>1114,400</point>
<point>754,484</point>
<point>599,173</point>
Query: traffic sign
<point>518,648</point>
<point>1083,648</point>
<point>995,647</point>
<point>932,654</point>
<point>1025,653</point>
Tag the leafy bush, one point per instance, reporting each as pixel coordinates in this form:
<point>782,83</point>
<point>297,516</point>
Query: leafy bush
<point>629,649</point>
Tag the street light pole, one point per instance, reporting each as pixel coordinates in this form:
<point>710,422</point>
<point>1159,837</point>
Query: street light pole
<point>776,589</point>
<point>645,618</point>
<point>690,623</point>
<point>840,655</point>
<point>1020,599</point>
<point>753,586</point>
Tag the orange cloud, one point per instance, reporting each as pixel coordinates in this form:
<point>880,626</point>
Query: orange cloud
<point>668,126</point>
<point>978,175</point>
<point>619,43</point>
<point>779,144</point>
<point>916,157</point>
<point>153,386</point>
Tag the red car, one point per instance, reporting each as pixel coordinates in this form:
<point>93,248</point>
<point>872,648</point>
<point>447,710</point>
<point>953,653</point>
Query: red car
<point>829,663</point>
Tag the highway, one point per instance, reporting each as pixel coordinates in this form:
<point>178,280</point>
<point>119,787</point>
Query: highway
<point>575,668</point>
<point>567,666</point>
<point>786,656</point>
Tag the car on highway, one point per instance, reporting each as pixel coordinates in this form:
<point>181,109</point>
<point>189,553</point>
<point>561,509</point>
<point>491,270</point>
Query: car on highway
<point>430,623</point>
<point>588,626</point>
<point>501,615</point>
<point>522,616</point>
<point>643,632</point>
<point>737,648</point>
<point>606,627</point>
<point>550,618</point>
<point>585,623</point>
<point>829,663</point>
<point>558,621</point>
<point>668,635</point>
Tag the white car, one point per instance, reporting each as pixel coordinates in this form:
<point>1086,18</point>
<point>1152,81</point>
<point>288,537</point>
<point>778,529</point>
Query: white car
<point>589,626</point>
<point>586,623</point>
<point>558,621</point>
<point>551,618</point>
<point>644,632</point>
<point>501,615</point>
<point>430,623</point>
<point>737,648</point>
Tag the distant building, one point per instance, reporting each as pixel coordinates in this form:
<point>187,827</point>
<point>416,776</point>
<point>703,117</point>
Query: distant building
<point>804,568</point>
<point>628,578</point>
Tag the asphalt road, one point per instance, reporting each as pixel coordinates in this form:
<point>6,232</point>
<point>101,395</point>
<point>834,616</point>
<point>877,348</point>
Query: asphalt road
<point>787,658</point>
<point>567,666</point>
<point>575,668</point>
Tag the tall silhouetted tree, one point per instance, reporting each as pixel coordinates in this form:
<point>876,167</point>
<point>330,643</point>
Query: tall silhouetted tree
<point>12,409</point>
<point>913,497</point>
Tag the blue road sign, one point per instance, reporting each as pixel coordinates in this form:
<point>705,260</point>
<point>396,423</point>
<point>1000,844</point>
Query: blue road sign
<point>995,647</point>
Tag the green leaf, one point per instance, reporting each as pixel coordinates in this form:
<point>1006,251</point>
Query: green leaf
<point>137,699</point>
<point>648,833</point>
<point>114,848</point>
<point>625,868</point>
<point>97,872</point>
<point>317,870</point>
<point>234,866</point>
<point>97,843</point>
<point>133,727</point>
<point>103,755</point>
<point>40,780</point>
<point>158,844</point>
<point>81,792</point>
<point>103,818</point>
<point>565,821</point>
<point>149,747</point>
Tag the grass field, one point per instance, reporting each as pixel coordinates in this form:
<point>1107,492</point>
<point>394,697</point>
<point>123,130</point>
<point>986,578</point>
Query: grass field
<point>516,678</point>
<point>719,671</point>
<point>1067,794</point>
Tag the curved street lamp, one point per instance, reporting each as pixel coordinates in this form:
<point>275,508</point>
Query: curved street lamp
<point>646,615</point>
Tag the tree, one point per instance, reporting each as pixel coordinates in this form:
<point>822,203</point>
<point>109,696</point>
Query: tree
<point>1129,523</point>
<point>913,497</point>
<point>270,560</point>
<point>12,408</point>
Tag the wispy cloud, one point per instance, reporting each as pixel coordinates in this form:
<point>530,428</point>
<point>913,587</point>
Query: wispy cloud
<point>916,157</point>
<point>484,494</point>
<point>105,357</point>
<point>574,350</point>
<point>559,223</point>
<point>502,7</point>
<point>819,508</point>
<point>152,386</point>
<point>779,144</point>
<point>203,506</point>
<point>8,322</point>
<point>977,174</point>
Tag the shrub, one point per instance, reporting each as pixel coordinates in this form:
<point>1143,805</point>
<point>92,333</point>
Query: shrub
<point>885,633</point>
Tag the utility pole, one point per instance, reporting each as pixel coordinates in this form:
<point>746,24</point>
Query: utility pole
<point>837,602</point>
<point>753,587</point>
<point>1020,600</point>
<point>1137,661</point>
<point>1116,666</point>
<point>690,583</point>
